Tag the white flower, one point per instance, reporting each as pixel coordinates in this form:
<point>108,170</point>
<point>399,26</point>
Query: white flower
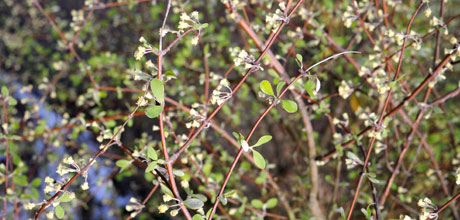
<point>49,179</point>
<point>68,160</point>
<point>350,163</point>
<point>167,198</point>
<point>48,189</point>
<point>29,205</point>
<point>183,25</point>
<point>194,40</point>
<point>428,12</point>
<point>345,90</point>
<point>142,40</point>
<point>50,214</point>
<point>184,17</point>
<point>399,38</point>
<point>139,52</point>
<point>174,212</point>
<point>85,186</point>
<point>141,101</point>
<point>162,208</point>
<point>222,93</point>
<point>195,15</point>
<point>457,176</point>
<point>404,217</point>
<point>184,183</point>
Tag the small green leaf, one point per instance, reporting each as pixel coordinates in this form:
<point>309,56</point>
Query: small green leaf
<point>197,217</point>
<point>206,49</point>
<point>279,86</point>
<point>153,111</point>
<point>228,194</point>
<point>150,167</point>
<point>259,160</point>
<point>236,135</point>
<point>152,154</point>
<point>170,74</point>
<point>36,182</point>
<point>266,87</point>
<point>257,203</point>
<point>273,73</point>
<point>200,197</point>
<point>271,203</point>
<point>299,58</point>
<point>193,203</point>
<point>166,190</point>
<point>289,106</point>
<point>264,139</point>
<point>371,177</point>
<point>66,198</point>
<point>20,180</point>
<point>123,164</point>
<point>158,90</point>
<point>59,212</point>
<point>5,91</point>
<point>12,101</point>
<point>309,87</point>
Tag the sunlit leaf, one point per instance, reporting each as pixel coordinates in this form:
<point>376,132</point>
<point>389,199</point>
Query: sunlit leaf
<point>158,90</point>
<point>152,154</point>
<point>264,139</point>
<point>289,105</point>
<point>310,87</point>
<point>197,217</point>
<point>123,164</point>
<point>259,160</point>
<point>59,211</point>
<point>279,86</point>
<point>271,203</point>
<point>153,111</point>
<point>257,203</point>
<point>266,87</point>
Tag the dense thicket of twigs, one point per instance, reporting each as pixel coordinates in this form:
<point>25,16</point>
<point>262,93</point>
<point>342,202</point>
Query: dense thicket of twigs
<point>229,109</point>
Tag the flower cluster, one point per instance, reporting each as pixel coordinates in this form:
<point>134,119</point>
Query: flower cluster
<point>191,21</point>
<point>428,209</point>
<point>196,119</point>
<point>164,207</point>
<point>274,20</point>
<point>457,176</point>
<point>349,16</point>
<point>73,168</point>
<point>377,78</point>
<point>222,93</point>
<point>241,57</point>
<point>371,120</point>
<point>352,160</point>
<point>91,3</point>
<point>78,17</point>
<point>344,89</point>
<point>187,21</point>
<point>134,206</point>
<point>143,49</point>
<point>405,217</point>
